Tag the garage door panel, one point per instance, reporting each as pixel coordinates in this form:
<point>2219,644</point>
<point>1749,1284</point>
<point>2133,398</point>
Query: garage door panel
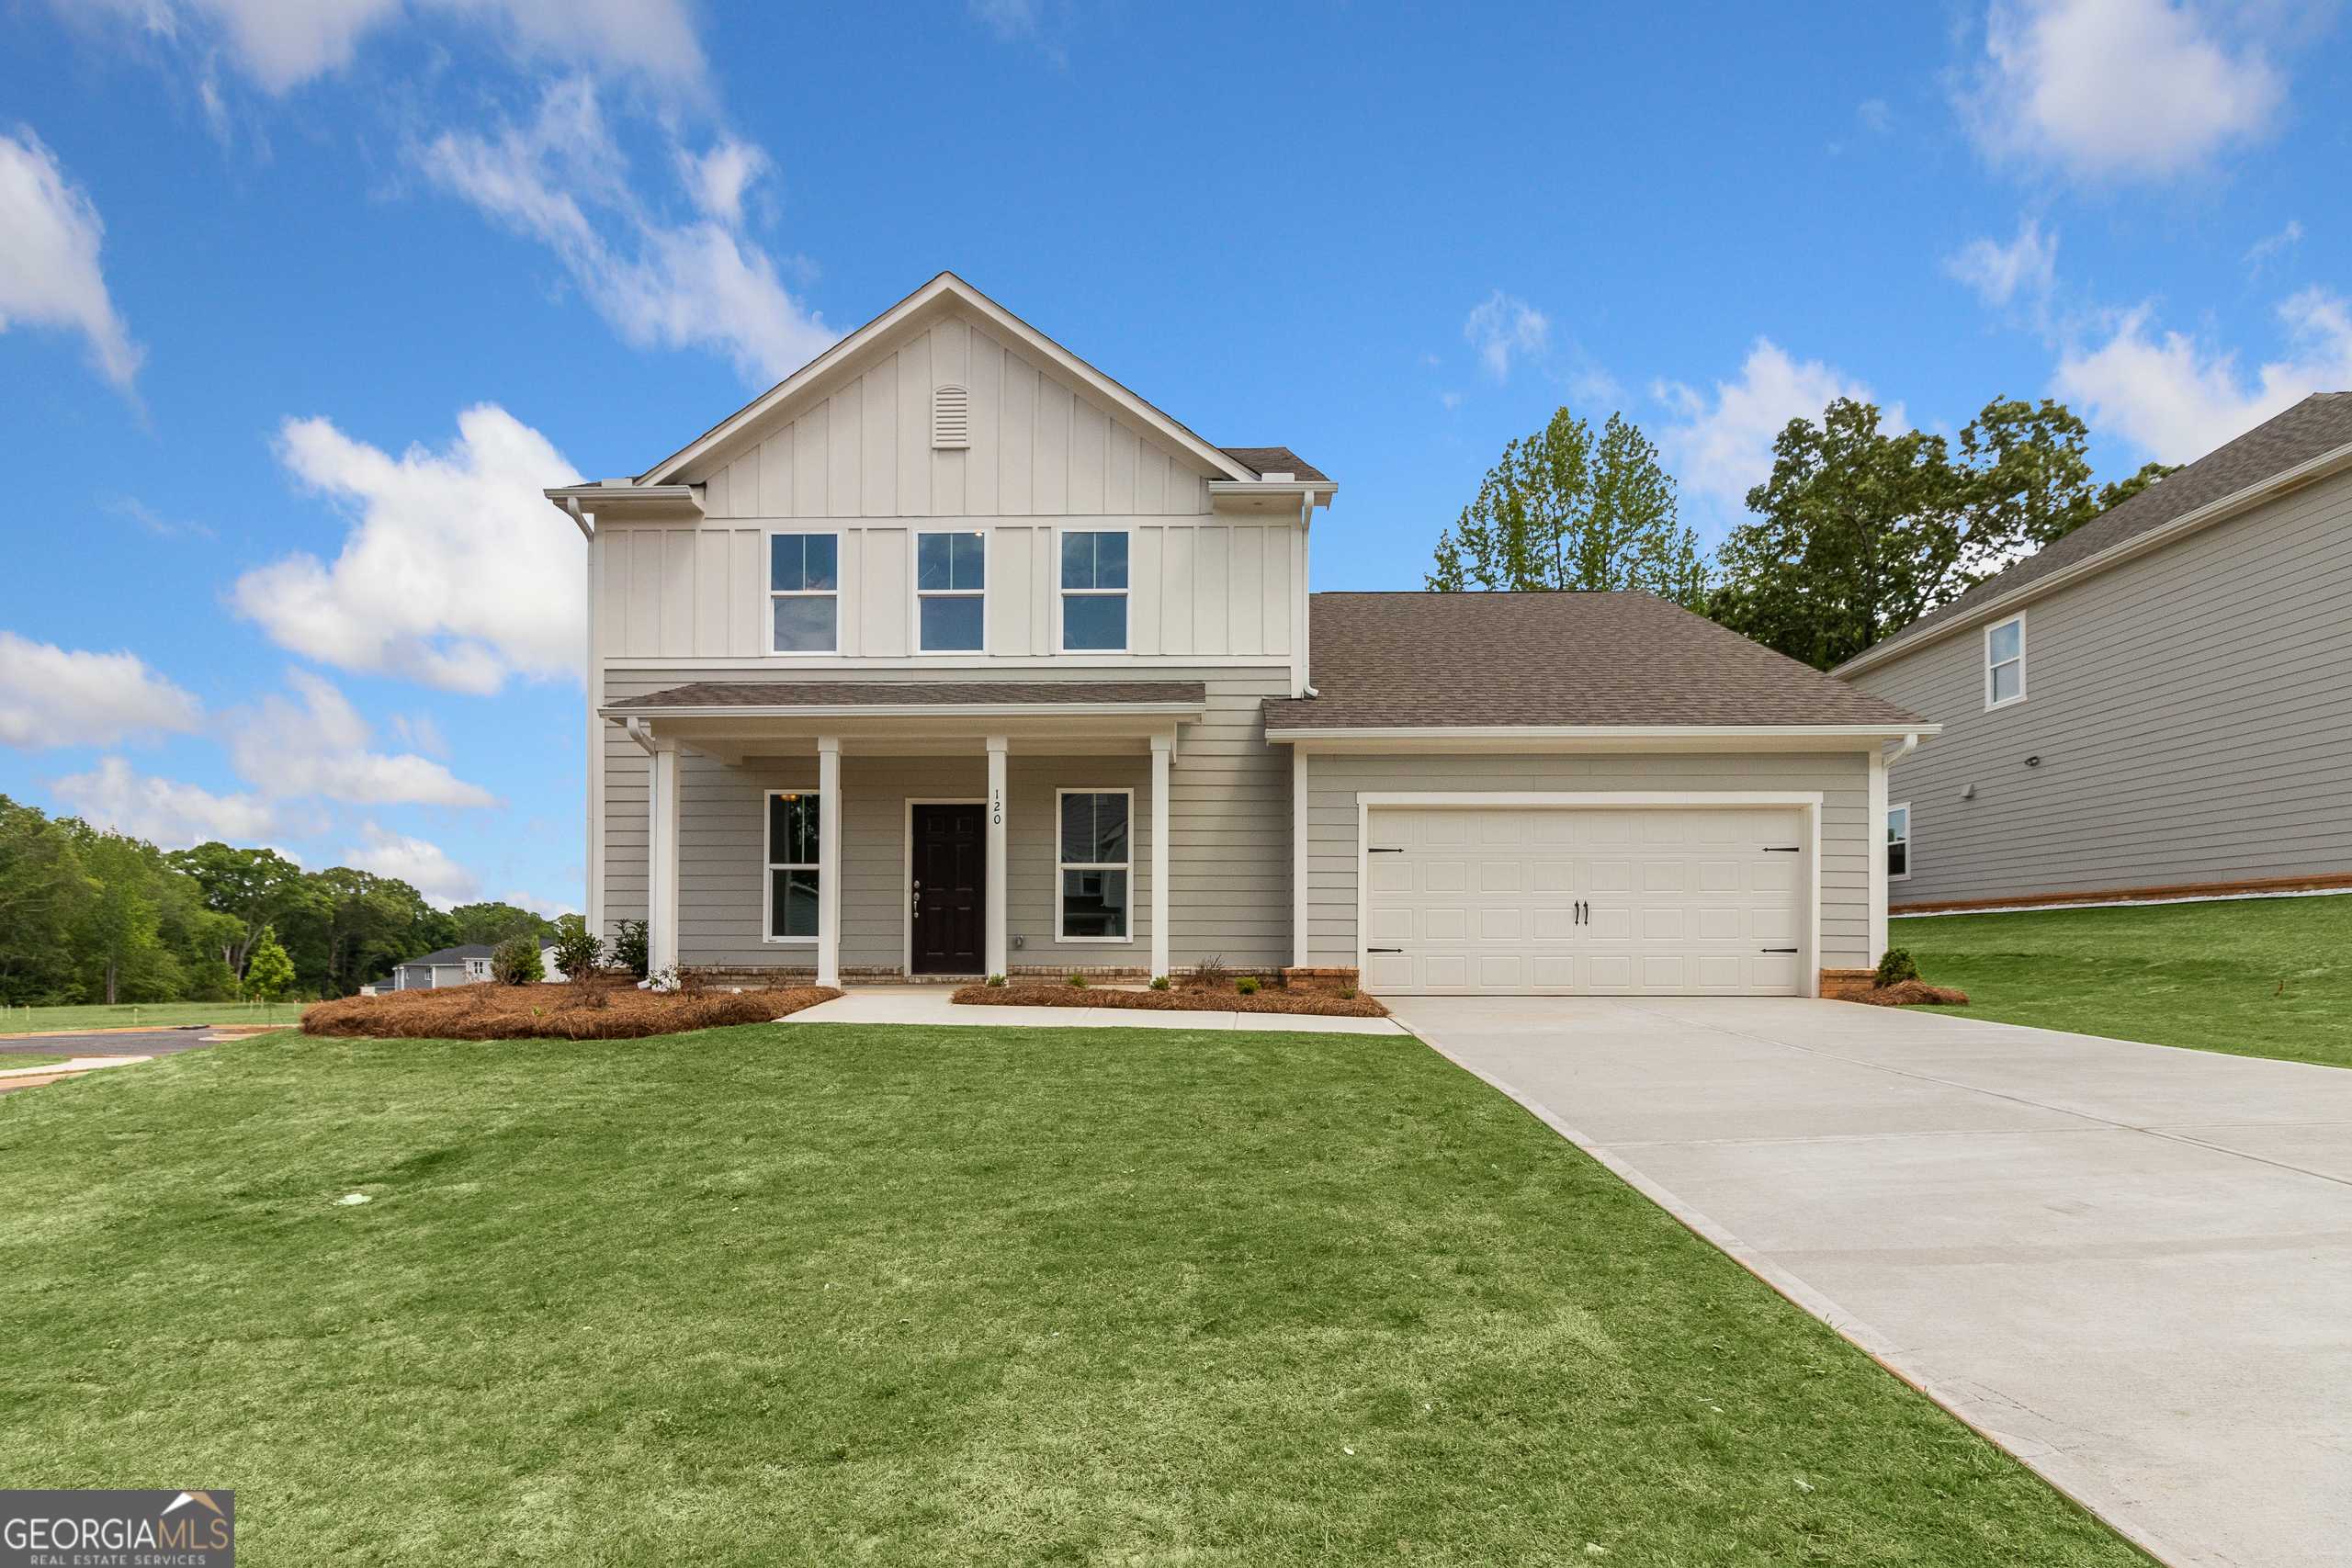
<point>1662,924</point>
<point>1721,925</point>
<point>1499,971</point>
<point>1386,926</point>
<point>1499,925</point>
<point>1775,873</point>
<point>1554,925</point>
<point>1553,876</point>
<point>1610,922</point>
<point>1445,970</point>
<point>1610,877</point>
<point>1445,925</point>
<point>1663,875</point>
<point>1502,876</point>
<point>1552,970</point>
<point>1444,875</point>
<point>1720,877</point>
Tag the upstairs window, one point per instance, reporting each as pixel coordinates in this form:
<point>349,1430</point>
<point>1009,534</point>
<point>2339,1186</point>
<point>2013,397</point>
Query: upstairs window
<point>2005,662</point>
<point>1094,864</point>
<point>951,579</point>
<point>1898,842</point>
<point>792,866</point>
<point>1094,591</point>
<point>803,589</point>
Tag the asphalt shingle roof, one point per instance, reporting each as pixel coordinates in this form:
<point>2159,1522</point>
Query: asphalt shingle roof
<point>929,693</point>
<point>1274,460</point>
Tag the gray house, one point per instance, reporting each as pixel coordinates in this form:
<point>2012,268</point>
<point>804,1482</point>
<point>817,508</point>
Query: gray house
<point>462,965</point>
<point>950,655</point>
<point>2157,705</point>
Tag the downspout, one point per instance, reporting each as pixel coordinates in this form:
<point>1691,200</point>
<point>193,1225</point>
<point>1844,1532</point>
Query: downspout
<point>1910,744</point>
<point>640,734</point>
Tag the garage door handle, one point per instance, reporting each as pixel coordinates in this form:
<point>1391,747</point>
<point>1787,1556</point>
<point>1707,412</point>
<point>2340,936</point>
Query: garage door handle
<point>1382,851</point>
<point>1780,950</point>
<point>1400,950</point>
<point>1783,849</point>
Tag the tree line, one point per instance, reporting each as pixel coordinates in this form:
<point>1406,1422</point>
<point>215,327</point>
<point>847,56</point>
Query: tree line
<point>1858,531</point>
<point>88,915</point>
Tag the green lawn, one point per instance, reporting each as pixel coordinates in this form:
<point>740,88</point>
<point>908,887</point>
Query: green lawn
<point>11,1060</point>
<point>31,1021</point>
<point>2254,976</point>
<point>824,1293</point>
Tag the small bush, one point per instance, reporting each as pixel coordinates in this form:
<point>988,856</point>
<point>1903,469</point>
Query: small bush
<point>517,961</point>
<point>1160,982</point>
<point>1210,975</point>
<point>996,980</point>
<point>1897,967</point>
<point>578,950</point>
<point>629,950</point>
<point>1246,985</point>
<point>1079,981</point>
<point>1347,993</point>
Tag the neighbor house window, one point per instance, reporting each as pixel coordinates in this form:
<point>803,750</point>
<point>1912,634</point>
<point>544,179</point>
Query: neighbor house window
<point>2005,662</point>
<point>1898,841</point>
<point>1094,591</point>
<point>804,587</point>
<point>951,572</point>
<point>1094,864</point>
<point>792,865</point>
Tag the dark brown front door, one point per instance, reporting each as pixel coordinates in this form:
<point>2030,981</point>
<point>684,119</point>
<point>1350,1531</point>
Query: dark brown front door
<point>951,859</point>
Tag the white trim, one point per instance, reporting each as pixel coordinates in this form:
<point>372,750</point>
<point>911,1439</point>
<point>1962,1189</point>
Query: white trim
<point>829,860</point>
<point>2017,620</point>
<point>1129,866</point>
<point>1301,886</point>
<point>924,710</point>
<point>771,593</point>
<point>592,893</point>
<point>1598,737</point>
<point>1163,758</point>
<point>1905,807</point>
<point>917,593</point>
<point>661,856</point>
<point>1127,620</point>
<point>1806,801</point>
<point>907,877</point>
<point>994,955</point>
<point>769,868</point>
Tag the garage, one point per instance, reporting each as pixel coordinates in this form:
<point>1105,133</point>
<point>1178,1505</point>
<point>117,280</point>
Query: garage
<point>1559,900</point>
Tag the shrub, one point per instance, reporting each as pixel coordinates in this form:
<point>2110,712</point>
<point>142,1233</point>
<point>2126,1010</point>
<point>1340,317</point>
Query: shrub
<point>629,951</point>
<point>578,950</point>
<point>1160,982</point>
<point>517,961</point>
<point>1347,993</point>
<point>269,974</point>
<point>1895,967</point>
<point>996,980</point>
<point>1246,985</point>
<point>1210,975</point>
<point>1078,980</point>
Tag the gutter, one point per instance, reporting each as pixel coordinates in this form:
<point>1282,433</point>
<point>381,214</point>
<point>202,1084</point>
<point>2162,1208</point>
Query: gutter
<point>632,717</point>
<point>1608,732</point>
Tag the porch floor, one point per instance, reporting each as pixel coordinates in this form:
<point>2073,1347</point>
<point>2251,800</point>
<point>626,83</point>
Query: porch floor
<point>930,1004</point>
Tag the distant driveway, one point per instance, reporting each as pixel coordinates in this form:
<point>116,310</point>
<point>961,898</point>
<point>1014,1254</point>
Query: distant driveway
<point>2131,1265</point>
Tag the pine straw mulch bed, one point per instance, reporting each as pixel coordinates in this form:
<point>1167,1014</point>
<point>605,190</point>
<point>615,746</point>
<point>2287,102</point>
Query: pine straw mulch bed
<point>1908,993</point>
<point>1317,1003</point>
<point>491,1011</point>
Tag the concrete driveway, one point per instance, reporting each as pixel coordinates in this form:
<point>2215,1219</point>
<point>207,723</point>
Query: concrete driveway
<point>2130,1265</point>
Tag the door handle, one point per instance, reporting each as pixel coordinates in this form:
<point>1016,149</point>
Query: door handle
<point>1384,950</point>
<point>1780,950</point>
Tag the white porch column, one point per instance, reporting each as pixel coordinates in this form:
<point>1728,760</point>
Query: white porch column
<point>1298,944</point>
<point>1876,838</point>
<point>993,943</point>
<point>1161,747</point>
<point>829,860</point>
<point>661,858</point>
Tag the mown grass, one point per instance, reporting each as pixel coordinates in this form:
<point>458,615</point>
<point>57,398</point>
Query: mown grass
<point>2253,977</point>
<point>12,1060</point>
<point>823,1293</point>
<point>152,1015</point>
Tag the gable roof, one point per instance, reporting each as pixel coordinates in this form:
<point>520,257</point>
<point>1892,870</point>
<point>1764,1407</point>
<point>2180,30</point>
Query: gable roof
<point>1274,460</point>
<point>2238,473</point>
<point>941,297</point>
<point>451,955</point>
<point>1424,661</point>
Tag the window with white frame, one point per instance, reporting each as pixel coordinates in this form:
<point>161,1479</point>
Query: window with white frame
<point>804,590</point>
<point>1898,842</point>
<point>2005,662</point>
<point>951,583</point>
<point>792,865</point>
<point>1094,591</point>
<point>1095,864</point>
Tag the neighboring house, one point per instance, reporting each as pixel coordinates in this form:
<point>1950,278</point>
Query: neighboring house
<point>2158,705</point>
<point>952,656</point>
<point>462,965</point>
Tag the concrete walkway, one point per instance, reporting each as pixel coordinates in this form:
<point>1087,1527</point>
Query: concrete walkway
<point>2131,1266</point>
<point>929,1004</point>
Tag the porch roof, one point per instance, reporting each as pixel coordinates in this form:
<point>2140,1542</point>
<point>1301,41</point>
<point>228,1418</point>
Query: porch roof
<point>840,699</point>
<point>734,721</point>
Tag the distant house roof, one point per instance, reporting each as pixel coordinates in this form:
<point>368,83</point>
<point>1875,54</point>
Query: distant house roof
<point>929,693</point>
<point>1274,460</point>
<point>2318,425</point>
<point>1448,660</point>
<point>450,957</point>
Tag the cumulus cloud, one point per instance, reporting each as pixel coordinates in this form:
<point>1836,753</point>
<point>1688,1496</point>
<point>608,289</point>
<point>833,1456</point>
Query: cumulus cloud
<point>49,259</point>
<point>56,696</point>
<point>319,747</point>
<point>424,865</point>
<point>1722,448</point>
<point>2176,399</point>
<point>2117,87</point>
<point>456,571</point>
<point>563,180</point>
<point>1504,328</point>
<point>1998,273</point>
<point>164,811</point>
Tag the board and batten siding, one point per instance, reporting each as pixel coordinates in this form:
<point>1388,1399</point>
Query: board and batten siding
<point>1334,780</point>
<point>1208,588</point>
<point>1038,448</point>
<point>2191,710</point>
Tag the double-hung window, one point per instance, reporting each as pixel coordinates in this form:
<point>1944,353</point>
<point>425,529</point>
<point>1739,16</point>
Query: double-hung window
<point>792,865</point>
<point>1898,842</point>
<point>951,583</point>
<point>803,588</point>
<point>1095,864</point>
<point>1094,591</point>
<point>2005,662</point>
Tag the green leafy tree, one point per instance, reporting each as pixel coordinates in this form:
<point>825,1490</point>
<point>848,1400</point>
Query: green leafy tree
<point>517,962</point>
<point>122,923</point>
<point>2117,491</point>
<point>269,974</point>
<point>258,888</point>
<point>1564,509</point>
<point>366,923</point>
<point>490,924</point>
<point>2024,482</point>
<point>45,896</point>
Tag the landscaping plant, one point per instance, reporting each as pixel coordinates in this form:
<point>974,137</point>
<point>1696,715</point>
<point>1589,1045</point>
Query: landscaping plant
<point>515,962</point>
<point>1896,969</point>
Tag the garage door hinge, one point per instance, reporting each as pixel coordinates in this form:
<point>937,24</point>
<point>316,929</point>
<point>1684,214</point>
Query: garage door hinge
<point>1400,950</point>
<point>1380,852</point>
<point>1783,849</point>
<point>1780,950</point>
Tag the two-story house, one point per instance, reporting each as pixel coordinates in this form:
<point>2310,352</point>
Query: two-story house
<point>950,655</point>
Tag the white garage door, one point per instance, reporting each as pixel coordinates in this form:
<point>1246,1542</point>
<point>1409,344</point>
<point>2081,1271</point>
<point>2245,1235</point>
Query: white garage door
<point>1548,901</point>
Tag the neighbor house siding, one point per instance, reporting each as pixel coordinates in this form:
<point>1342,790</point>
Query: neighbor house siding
<point>1842,778</point>
<point>2191,712</point>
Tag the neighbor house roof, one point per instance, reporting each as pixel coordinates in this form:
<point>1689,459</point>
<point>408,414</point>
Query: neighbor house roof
<point>710,695</point>
<point>1264,461</point>
<point>1537,661</point>
<point>452,955</point>
<point>2318,427</point>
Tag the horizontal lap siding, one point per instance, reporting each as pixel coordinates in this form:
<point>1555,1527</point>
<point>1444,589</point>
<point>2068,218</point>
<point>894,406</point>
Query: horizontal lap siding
<point>1843,780</point>
<point>2193,711</point>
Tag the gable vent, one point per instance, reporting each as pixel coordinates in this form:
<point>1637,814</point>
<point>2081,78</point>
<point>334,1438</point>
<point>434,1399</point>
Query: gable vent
<point>951,418</point>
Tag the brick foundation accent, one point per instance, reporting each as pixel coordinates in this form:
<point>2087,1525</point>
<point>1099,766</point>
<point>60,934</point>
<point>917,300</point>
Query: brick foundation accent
<point>1325,980</point>
<point>1842,984</point>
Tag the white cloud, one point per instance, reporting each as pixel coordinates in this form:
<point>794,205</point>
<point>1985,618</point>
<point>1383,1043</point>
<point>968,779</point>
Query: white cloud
<point>56,696</point>
<point>420,731</point>
<point>2176,399</point>
<point>2271,248</point>
<point>1875,115</point>
<point>1998,272</point>
<point>563,180</point>
<point>457,573</point>
<point>546,909</point>
<point>49,259</point>
<point>1722,447</point>
<point>320,748</point>
<point>1504,327</point>
<point>424,865</point>
<point>166,812</point>
<point>283,43</point>
<point>2125,87</point>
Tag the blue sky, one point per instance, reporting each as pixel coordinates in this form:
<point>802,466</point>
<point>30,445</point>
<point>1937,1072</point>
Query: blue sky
<point>300,304</point>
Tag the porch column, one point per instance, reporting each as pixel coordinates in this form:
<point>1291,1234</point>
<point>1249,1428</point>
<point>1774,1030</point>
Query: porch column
<point>993,943</point>
<point>829,860</point>
<point>1298,883</point>
<point>1161,746</point>
<point>661,858</point>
